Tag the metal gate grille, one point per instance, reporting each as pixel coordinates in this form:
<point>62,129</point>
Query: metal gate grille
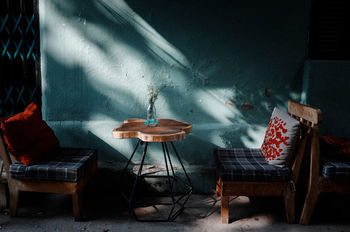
<point>19,55</point>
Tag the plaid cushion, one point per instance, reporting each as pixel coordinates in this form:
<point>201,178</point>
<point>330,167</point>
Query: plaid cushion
<point>336,169</point>
<point>63,164</point>
<point>245,164</point>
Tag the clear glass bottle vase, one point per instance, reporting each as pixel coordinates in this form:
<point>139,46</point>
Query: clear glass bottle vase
<point>151,116</point>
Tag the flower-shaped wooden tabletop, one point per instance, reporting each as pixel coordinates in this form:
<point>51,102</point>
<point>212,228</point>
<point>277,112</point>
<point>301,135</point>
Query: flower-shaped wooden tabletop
<point>167,130</point>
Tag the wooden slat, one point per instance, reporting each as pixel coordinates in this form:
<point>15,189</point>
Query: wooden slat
<point>47,186</point>
<point>337,186</point>
<point>225,209</point>
<point>313,185</point>
<point>248,188</point>
<point>306,112</point>
<point>289,202</point>
<point>298,159</point>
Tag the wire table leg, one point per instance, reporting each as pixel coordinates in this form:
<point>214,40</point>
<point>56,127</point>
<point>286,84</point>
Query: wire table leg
<point>170,178</point>
<point>139,173</point>
<point>183,168</point>
<point>169,181</point>
<point>127,164</point>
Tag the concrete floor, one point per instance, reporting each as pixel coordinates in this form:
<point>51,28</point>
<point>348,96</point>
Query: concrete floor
<point>106,213</point>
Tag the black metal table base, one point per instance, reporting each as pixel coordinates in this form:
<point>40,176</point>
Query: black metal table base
<point>177,202</point>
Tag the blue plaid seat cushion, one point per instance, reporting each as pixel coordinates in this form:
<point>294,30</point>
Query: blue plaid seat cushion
<point>246,164</point>
<point>334,169</point>
<point>63,164</point>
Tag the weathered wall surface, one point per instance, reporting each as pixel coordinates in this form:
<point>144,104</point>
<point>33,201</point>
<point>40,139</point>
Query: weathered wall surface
<point>224,65</point>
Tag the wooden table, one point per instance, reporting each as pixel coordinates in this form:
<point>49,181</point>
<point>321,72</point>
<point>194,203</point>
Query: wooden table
<point>167,131</point>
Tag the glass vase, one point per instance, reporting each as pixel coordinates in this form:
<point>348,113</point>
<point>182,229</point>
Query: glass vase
<point>151,116</point>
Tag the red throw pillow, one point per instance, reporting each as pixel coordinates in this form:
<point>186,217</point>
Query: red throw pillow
<point>27,136</point>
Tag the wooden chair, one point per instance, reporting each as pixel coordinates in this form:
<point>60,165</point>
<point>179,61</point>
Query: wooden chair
<point>329,176</point>
<point>281,182</point>
<point>80,165</point>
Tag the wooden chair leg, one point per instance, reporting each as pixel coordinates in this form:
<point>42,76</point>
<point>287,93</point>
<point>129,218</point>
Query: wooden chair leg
<point>91,185</point>
<point>225,209</point>
<point>3,196</point>
<point>309,206</point>
<point>289,202</point>
<point>77,199</point>
<point>14,193</point>
<point>218,187</point>
<point>93,179</point>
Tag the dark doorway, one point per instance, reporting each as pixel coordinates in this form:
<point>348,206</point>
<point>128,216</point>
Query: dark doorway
<point>330,30</point>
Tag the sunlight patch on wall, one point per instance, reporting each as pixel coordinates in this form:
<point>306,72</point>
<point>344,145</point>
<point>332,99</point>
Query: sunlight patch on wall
<point>254,137</point>
<point>120,12</point>
<point>213,103</point>
<point>60,45</point>
<point>106,62</point>
<point>117,66</point>
<point>103,131</point>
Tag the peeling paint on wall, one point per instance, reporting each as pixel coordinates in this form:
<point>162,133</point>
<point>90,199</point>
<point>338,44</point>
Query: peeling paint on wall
<point>246,106</point>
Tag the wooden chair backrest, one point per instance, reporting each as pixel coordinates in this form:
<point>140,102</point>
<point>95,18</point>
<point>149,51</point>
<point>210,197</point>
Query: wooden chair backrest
<point>305,114</point>
<point>4,154</point>
<point>309,118</point>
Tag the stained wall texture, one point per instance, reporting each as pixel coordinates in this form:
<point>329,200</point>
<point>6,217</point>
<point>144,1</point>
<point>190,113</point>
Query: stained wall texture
<point>224,65</point>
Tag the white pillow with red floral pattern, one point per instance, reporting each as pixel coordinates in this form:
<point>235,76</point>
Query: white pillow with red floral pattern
<point>280,138</point>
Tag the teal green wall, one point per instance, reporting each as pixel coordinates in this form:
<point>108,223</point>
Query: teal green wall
<point>327,87</point>
<point>224,67</point>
